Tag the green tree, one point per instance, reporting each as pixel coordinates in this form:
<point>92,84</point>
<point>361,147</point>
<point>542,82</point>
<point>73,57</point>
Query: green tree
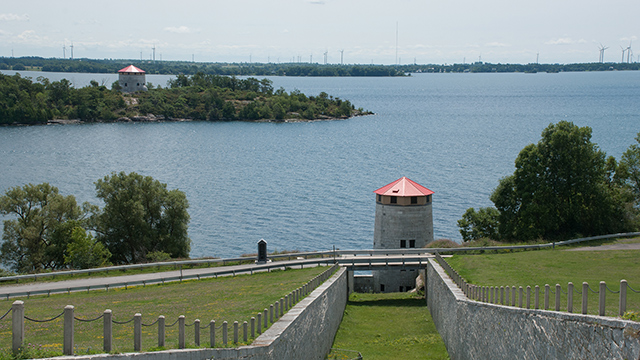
<point>479,224</point>
<point>559,189</point>
<point>141,216</point>
<point>629,169</point>
<point>84,252</point>
<point>35,238</point>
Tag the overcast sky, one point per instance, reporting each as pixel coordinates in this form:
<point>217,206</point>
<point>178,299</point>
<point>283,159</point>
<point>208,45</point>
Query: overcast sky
<point>428,32</point>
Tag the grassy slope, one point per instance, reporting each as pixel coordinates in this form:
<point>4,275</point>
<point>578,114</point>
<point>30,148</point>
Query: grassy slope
<point>389,326</point>
<point>557,267</point>
<point>229,298</point>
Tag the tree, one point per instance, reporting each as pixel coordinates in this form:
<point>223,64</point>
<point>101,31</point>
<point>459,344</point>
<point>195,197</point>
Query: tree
<point>84,252</point>
<point>629,169</point>
<point>35,239</point>
<point>479,224</point>
<point>559,189</point>
<point>141,216</point>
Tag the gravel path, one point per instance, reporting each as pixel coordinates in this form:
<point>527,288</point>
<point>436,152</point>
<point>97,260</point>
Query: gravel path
<point>619,246</point>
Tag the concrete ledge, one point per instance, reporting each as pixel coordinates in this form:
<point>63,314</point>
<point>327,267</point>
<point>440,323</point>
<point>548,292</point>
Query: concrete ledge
<point>306,331</point>
<point>477,330</point>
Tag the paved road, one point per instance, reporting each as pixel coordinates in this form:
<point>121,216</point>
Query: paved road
<point>81,283</point>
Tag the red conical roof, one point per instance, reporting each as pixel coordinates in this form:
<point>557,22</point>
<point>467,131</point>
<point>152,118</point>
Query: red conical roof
<point>131,69</point>
<point>404,187</point>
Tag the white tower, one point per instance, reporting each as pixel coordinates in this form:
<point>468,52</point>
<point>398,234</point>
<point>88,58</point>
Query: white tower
<point>403,220</point>
<point>132,79</point>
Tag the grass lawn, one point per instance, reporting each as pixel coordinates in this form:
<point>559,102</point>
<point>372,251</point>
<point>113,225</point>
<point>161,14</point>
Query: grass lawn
<point>224,299</point>
<point>388,326</point>
<point>557,266</point>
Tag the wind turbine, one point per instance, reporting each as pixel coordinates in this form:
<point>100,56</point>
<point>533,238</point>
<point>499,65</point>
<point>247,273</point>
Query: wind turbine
<point>326,53</point>
<point>71,51</point>
<point>602,49</point>
<point>64,51</point>
<point>628,51</point>
<point>341,56</point>
<point>623,50</point>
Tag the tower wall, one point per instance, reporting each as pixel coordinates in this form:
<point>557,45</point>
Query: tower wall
<point>132,82</point>
<point>400,226</point>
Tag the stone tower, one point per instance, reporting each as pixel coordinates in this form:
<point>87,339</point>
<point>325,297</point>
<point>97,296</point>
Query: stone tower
<point>403,220</point>
<point>132,79</point>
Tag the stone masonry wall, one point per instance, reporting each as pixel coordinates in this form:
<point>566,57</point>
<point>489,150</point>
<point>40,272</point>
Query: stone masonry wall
<point>306,331</point>
<point>476,330</point>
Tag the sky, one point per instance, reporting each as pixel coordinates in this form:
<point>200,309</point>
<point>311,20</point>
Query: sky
<point>348,31</point>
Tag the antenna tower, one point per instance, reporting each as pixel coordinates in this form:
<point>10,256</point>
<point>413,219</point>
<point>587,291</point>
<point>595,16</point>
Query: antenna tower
<point>396,43</point>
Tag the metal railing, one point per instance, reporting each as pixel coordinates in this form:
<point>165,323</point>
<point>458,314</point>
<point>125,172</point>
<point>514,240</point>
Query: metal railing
<point>307,255</point>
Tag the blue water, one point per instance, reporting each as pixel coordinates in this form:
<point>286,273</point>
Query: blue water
<point>309,186</point>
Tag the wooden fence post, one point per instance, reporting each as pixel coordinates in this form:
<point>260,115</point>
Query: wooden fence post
<point>622,306</point>
<point>17,325</point>
<point>181,332</point>
<point>570,297</point>
<point>137,332</point>
<point>212,333</point>
<point>107,333</point>
<point>68,330</point>
<point>585,297</point>
<point>196,331</point>
<point>161,331</point>
<point>603,297</point>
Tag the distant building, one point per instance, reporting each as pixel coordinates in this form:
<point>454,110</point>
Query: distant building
<point>132,79</point>
<point>403,220</point>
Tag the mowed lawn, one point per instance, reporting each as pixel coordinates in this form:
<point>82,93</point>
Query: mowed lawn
<point>388,326</point>
<point>224,299</point>
<point>558,266</point>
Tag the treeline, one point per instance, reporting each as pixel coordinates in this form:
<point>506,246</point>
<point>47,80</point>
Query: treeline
<point>141,221</point>
<point>290,69</point>
<point>483,67</point>
<point>563,187</point>
<point>192,68</point>
<point>197,97</point>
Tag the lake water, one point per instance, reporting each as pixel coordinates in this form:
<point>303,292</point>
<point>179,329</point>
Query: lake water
<point>309,185</point>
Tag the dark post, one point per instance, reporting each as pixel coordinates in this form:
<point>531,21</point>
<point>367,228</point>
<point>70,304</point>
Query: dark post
<point>262,251</point>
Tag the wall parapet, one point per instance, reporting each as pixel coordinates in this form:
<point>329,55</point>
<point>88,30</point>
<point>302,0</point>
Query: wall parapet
<point>479,330</point>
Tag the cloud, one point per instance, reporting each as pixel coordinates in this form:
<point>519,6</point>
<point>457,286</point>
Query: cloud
<point>316,2</point>
<point>178,30</point>
<point>561,41</point>
<point>496,44</point>
<point>14,17</point>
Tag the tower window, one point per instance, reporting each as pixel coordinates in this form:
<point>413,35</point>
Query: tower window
<point>379,198</point>
<point>412,243</point>
<point>414,199</point>
<point>394,199</point>
<point>403,243</point>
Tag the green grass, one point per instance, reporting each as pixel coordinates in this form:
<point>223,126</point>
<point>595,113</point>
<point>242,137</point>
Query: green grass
<point>530,268</point>
<point>224,299</point>
<point>388,326</point>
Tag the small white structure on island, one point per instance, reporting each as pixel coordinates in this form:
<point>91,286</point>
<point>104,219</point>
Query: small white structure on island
<point>132,79</point>
<point>403,220</point>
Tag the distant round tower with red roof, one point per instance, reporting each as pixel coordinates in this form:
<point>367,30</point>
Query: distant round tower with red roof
<point>132,79</point>
<point>404,219</point>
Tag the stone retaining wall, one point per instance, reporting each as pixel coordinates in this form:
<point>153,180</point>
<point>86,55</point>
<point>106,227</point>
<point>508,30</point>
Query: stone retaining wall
<point>306,331</point>
<point>475,330</point>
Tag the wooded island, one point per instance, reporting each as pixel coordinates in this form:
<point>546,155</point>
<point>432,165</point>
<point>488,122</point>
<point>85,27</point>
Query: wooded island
<point>197,97</point>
